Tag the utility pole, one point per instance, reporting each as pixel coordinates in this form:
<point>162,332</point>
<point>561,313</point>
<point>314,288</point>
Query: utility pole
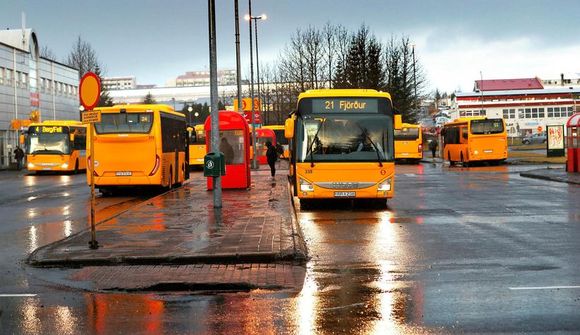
<point>238,63</point>
<point>254,161</point>
<point>215,131</point>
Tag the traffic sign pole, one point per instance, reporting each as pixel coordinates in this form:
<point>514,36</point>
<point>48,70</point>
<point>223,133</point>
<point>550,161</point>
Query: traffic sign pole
<point>90,92</point>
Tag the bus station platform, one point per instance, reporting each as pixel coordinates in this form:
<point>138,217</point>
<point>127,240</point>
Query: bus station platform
<point>181,226</point>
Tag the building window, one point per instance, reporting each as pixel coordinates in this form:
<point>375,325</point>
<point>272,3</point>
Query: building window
<point>505,114</point>
<point>512,113</point>
<point>1,75</point>
<point>541,113</point>
<point>534,113</point>
<point>528,113</point>
<point>556,111</point>
<point>521,113</point>
<point>570,111</point>
<point>550,112</point>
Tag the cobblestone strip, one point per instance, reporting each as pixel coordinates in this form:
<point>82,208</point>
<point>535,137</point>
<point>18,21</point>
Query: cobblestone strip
<point>234,277</point>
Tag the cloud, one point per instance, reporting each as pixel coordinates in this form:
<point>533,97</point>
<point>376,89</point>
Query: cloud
<point>457,64</point>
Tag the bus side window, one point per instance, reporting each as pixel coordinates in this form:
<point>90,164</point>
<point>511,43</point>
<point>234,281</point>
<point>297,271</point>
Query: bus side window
<point>464,135</point>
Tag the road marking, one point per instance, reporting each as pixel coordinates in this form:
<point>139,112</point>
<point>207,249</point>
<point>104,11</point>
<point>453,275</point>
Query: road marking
<point>410,174</point>
<point>18,295</point>
<point>544,288</point>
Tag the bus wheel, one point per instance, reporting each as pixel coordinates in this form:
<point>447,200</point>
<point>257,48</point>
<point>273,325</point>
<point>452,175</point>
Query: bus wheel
<point>305,204</point>
<point>170,186</point>
<point>449,158</point>
<point>76,170</point>
<point>463,162</point>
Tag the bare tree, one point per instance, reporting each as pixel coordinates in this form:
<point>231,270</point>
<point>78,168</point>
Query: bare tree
<point>47,53</point>
<point>83,57</point>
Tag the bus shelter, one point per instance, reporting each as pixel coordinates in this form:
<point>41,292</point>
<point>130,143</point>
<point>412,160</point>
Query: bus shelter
<point>573,143</point>
<point>262,137</point>
<point>234,143</point>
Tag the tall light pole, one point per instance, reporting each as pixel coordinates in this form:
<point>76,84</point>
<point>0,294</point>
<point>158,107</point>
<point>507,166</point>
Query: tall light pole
<point>189,109</point>
<point>256,18</point>
<point>254,161</point>
<point>238,62</point>
<point>217,181</point>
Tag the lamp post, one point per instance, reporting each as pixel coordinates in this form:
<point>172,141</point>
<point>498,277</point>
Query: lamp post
<point>256,18</point>
<point>254,161</point>
<point>189,109</point>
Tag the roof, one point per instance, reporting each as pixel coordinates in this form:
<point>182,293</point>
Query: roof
<point>574,120</point>
<point>17,38</point>
<point>508,84</point>
<point>343,93</point>
<point>566,90</point>
<point>140,107</point>
<point>58,123</point>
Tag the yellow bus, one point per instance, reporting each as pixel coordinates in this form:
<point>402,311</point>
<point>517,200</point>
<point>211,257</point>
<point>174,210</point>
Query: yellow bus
<point>139,145</point>
<point>475,139</point>
<point>409,143</point>
<point>280,139</point>
<point>56,146</point>
<point>197,148</point>
<point>342,145</point>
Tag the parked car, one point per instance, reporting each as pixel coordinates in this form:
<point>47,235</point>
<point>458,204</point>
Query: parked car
<point>534,138</point>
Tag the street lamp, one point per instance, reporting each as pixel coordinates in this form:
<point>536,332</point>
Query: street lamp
<point>253,118</point>
<point>256,18</point>
<point>189,109</point>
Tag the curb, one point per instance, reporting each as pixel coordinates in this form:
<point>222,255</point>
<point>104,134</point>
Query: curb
<point>548,178</point>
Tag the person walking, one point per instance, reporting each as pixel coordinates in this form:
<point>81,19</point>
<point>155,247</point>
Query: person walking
<point>433,147</point>
<point>272,157</point>
<point>19,155</point>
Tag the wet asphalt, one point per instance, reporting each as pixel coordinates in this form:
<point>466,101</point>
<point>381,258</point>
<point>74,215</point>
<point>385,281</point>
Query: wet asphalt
<point>467,250</point>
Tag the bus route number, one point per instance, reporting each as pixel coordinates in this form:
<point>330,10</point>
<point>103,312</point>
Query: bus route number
<point>345,105</point>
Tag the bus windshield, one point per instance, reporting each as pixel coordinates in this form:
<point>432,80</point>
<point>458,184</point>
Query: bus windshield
<point>48,143</point>
<point>113,123</point>
<point>489,126</point>
<point>334,138</point>
<point>406,134</point>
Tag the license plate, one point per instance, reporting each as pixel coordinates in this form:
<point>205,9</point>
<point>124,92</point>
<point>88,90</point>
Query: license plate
<point>344,194</point>
<point>488,151</point>
<point>123,173</point>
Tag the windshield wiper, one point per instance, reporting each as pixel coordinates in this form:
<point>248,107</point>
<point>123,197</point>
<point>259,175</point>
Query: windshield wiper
<point>372,143</point>
<point>314,139</point>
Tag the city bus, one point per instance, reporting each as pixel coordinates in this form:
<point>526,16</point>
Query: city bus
<point>475,139</point>
<point>264,135</point>
<point>342,145</point>
<point>280,139</point>
<point>197,148</point>
<point>56,146</point>
<point>139,145</point>
<point>409,143</point>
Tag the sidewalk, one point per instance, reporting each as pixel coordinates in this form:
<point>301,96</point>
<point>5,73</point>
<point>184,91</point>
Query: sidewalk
<point>181,227</point>
<point>553,174</point>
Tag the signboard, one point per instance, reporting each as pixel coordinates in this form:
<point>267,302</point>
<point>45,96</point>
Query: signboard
<point>34,99</point>
<point>90,90</point>
<point>257,117</point>
<point>247,104</point>
<point>91,117</point>
<point>555,141</point>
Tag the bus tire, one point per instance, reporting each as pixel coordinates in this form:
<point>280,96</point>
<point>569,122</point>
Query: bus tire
<point>76,170</point>
<point>463,162</point>
<point>449,158</point>
<point>170,184</point>
<point>305,204</point>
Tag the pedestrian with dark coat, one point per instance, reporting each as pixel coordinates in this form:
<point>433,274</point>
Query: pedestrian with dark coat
<point>272,157</point>
<point>19,155</point>
<point>433,147</point>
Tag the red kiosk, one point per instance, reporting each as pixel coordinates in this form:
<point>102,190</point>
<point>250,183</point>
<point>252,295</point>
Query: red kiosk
<point>573,143</point>
<point>234,143</point>
<point>262,136</point>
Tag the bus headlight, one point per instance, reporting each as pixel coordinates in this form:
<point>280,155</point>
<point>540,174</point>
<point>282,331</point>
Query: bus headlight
<point>30,165</point>
<point>306,186</point>
<point>64,166</point>
<point>385,186</point>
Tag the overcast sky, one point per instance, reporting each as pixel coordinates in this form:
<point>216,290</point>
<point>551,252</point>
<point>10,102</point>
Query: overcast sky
<point>156,40</point>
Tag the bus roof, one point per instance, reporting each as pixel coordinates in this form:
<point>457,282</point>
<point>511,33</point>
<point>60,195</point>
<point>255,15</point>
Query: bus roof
<point>410,125</point>
<point>466,120</point>
<point>274,127</point>
<point>58,123</point>
<point>344,93</point>
<point>141,107</point>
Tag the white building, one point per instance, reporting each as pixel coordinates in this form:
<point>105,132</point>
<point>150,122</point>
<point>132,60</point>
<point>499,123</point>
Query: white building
<point>119,83</point>
<point>525,105</point>
<point>201,78</point>
<point>30,87</point>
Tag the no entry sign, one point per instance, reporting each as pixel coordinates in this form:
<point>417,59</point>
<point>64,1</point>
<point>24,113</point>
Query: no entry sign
<point>90,90</point>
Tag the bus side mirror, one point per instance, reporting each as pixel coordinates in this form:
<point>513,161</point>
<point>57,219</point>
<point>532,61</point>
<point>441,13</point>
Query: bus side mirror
<point>398,121</point>
<point>21,139</point>
<point>71,137</point>
<point>289,128</point>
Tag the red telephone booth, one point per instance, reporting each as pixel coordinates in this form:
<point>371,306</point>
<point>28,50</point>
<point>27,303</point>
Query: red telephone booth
<point>262,136</point>
<point>234,142</point>
<point>573,131</point>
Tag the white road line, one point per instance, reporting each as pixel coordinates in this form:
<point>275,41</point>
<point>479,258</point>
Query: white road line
<point>17,295</point>
<point>544,288</point>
